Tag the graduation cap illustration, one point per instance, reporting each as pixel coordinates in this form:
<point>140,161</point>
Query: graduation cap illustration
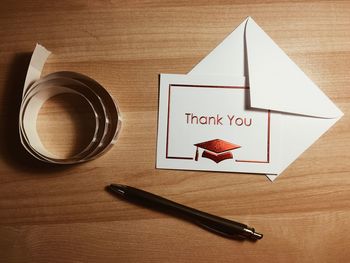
<point>216,150</point>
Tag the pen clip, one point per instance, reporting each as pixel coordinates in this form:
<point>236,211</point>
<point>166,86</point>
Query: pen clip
<point>221,233</point>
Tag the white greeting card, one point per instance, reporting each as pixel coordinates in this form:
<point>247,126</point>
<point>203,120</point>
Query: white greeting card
<point>206,123</point>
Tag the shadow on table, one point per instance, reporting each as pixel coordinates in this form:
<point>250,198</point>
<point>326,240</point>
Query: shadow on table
<point>11,150</point>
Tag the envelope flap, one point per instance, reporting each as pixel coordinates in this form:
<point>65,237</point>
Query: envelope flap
<point>277,83</point>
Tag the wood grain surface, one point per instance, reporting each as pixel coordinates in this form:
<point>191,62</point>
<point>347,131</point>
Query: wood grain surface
<point>62,213</point>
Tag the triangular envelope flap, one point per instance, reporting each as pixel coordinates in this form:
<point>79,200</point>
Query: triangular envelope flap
<point>227,59</point>
<point>277,83</point>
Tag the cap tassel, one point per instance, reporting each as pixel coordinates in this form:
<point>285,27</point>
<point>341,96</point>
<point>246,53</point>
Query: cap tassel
<point>196,157</point>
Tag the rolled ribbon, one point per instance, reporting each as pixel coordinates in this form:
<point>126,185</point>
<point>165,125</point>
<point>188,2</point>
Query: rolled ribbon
<point>38,90</point>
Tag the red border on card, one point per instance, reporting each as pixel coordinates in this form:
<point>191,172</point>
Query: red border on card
<point>214,87</point>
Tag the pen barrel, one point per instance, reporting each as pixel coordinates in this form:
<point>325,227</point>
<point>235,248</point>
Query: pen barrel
<point>211,222</point>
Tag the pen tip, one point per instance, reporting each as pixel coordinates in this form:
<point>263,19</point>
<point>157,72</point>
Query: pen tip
<point>250,233</point>
<point>257,236</point>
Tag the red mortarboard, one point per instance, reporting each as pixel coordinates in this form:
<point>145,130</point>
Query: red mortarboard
<point>216,150</point>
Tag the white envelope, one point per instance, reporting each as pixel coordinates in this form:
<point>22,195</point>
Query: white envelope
<point>277,84</point>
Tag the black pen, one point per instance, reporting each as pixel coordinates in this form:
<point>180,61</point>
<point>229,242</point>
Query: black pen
<point>219,225</point>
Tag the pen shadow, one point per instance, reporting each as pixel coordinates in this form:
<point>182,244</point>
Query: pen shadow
<point>177,215</point>
<point>11,150</point>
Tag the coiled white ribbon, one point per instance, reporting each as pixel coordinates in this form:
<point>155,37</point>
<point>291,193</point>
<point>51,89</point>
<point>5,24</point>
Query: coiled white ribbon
<point>38,90</point>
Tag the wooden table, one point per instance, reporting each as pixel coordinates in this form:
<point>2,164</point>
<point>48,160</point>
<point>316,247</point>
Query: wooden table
<point>63,214</point>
